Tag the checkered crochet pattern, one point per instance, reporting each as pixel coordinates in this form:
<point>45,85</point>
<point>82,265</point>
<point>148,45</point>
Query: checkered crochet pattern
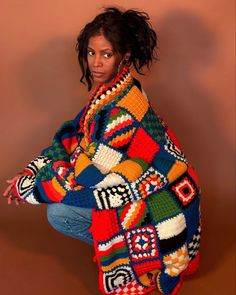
<point>119,158</point>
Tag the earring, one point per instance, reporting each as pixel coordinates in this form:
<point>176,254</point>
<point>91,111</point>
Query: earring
<point>124,61</point>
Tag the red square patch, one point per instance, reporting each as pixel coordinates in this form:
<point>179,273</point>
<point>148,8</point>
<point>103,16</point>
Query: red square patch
<point>143,146</point>
<point>147,266</point>
<point>105,224</point>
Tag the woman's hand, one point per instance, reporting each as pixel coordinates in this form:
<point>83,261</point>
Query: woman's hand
<point>9,192</point>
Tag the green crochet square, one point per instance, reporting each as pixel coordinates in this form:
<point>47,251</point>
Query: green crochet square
<point>56,152</point>
<point>153,126</point>
<point>45,173</point>
<point>162,206</point>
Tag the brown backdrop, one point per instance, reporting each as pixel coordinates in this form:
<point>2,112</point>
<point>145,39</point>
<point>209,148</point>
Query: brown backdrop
<point>193,89</point>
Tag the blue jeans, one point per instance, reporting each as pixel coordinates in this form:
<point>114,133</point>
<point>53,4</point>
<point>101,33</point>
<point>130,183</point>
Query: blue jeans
<point>71,221</point>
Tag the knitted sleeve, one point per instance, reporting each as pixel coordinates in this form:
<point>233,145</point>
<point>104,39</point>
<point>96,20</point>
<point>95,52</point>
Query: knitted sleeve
<point>123,162</point>
<point>63,144</point>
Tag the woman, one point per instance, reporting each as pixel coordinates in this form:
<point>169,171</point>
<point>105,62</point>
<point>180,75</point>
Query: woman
<point>115,176</point>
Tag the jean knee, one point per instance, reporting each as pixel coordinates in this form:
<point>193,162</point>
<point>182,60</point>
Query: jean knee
<point>53,212</point>
<point>69,221</point>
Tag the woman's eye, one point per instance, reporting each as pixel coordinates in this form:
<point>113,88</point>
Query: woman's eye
<point>107,55</point>
<point>90,53</point>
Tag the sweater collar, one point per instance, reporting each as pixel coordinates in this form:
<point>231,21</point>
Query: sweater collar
<point>123,80</point>
<point>106,94</point>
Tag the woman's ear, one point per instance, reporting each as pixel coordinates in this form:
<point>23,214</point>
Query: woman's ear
<point>127,56</point>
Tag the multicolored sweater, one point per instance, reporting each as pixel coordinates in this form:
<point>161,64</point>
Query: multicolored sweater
<point>119,158</point>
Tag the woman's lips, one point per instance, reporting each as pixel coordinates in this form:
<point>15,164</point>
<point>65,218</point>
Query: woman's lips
<point>98,74</point>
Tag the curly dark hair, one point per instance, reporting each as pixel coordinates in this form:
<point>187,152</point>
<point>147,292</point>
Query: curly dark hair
<point>128,31</point>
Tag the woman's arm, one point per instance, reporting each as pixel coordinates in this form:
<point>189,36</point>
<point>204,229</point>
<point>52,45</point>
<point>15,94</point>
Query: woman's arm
<point>146,167</point>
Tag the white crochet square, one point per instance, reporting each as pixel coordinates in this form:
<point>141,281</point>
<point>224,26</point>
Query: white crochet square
<point>113,197</point>
<point>171,227</point>
<point>110,180</point>
<point>105,158</point>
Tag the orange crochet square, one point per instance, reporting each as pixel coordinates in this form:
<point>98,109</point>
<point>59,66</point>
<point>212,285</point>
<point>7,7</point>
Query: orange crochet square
<point>135,103</point>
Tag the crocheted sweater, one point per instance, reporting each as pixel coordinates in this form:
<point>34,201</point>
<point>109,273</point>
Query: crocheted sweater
<point>119,158</point>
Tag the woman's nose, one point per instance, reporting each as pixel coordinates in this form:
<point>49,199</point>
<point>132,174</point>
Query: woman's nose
<point>97,60</point>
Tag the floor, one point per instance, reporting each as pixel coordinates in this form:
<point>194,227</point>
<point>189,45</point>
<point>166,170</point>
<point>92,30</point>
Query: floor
<point>35,259</point>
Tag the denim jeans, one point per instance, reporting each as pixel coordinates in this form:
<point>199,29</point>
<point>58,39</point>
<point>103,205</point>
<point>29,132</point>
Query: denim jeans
<point>71,221</point>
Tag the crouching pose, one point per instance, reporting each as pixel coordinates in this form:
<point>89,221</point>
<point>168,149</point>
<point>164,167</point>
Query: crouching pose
<point>115,176</point>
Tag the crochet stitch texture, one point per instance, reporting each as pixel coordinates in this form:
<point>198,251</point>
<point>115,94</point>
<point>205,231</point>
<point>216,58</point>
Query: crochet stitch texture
<point>119,158</point>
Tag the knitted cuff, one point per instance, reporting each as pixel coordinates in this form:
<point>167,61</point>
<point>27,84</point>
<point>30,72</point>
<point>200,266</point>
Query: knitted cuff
<point>23,188</point>
<point>35,165</point>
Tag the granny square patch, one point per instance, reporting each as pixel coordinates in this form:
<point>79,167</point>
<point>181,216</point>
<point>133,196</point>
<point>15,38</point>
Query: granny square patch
<point>142,243</point>
<point>148,183</point>
<point>113,197</point>
<point>118,277</point>
<point>139,150</point>
<point>106,157</point>
<point>185,190</point>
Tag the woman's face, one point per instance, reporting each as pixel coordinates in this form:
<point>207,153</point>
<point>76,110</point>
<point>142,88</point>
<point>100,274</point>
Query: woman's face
<point>103,62</point>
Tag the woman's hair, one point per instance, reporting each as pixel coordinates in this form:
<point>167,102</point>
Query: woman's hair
<point>128,31</point>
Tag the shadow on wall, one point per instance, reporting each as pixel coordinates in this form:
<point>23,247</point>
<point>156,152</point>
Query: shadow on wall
<point>51,93</point>
<point>187,48</point>
<point>50,79</point>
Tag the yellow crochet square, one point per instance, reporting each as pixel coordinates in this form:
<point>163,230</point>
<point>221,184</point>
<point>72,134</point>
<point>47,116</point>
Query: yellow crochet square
<point>130,169</point>
<point>135,102</point>
<point>176,171</point>
<point>81,163</point>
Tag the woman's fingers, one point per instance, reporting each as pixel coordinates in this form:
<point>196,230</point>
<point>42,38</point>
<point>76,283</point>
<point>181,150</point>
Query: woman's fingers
<point>7,190</point>
<point>11,180</point>
<point>9,200</point>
